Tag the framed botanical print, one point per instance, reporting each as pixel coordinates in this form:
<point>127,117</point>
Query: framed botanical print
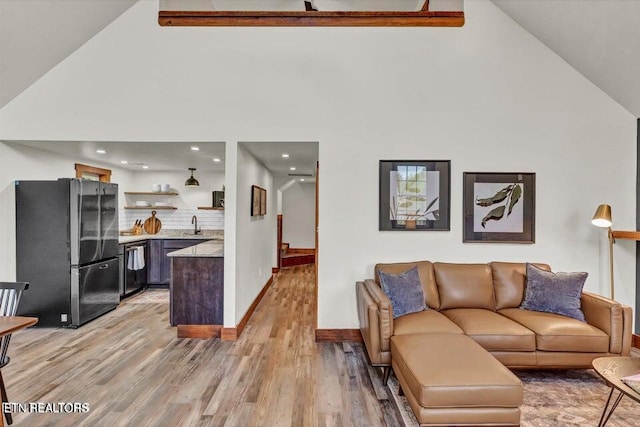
<point>499,207</point>
<point>414,195</point>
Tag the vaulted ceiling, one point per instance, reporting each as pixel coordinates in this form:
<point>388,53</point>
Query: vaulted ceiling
<point>599,38</point>
<point>36,35</point>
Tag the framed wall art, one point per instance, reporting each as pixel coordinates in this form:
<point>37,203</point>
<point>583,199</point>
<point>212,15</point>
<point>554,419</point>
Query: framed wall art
<point>263,202</point>
<point>499,207</point>
<point>414,195</point>
<point>258,201</point>
<point>255,200</point>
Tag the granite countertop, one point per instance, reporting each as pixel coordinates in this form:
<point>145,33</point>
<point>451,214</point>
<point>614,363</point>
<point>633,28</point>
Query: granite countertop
<point>209,249</point>
<point>175,234</point>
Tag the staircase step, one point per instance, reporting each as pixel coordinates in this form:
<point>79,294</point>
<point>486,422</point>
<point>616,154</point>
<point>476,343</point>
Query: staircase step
<point>290,260</point>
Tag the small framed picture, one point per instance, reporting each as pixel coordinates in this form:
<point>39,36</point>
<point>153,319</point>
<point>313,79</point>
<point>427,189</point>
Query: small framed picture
<point>499,207</point>
<point>255,200</point>
<point>263,202</point>
<point>414,195</point>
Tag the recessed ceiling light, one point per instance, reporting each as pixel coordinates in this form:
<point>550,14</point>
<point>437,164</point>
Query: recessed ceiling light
<point>301,179</point>
<point>292,168</point>
<point>124,162</point>
<point>285,155</point>
<point>145,167</point>
<point>215,159</point>
<point>101,151</point>
<point>194,148</point>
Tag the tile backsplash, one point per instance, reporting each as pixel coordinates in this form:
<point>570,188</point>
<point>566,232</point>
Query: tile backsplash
<point>179,219</point>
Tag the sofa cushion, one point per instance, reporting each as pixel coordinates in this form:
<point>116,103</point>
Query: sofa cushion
<point>425,271</point>
<point>557,293</point>
<point>464,286</point>
<point>560,333</point>
<point>509,280</point>
<point>491,330</point>
<point>425,322</point>
<point>452,371</point>
<point>404,290</point>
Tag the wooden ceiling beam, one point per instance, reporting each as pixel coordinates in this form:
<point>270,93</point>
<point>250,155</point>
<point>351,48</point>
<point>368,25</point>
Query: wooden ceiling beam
<point>310,19</point>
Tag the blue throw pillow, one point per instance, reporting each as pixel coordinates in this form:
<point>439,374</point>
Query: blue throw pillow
<point>557,293</point>
<point>404,290</point>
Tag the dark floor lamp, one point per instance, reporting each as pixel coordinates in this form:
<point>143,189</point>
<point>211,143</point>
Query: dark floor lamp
<point>602,218</point>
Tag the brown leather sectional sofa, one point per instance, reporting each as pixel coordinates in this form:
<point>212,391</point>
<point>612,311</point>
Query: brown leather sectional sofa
<point>480,304</point>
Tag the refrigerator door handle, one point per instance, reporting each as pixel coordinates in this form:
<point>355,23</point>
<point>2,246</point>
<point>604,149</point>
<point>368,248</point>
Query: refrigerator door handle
<point>104,266</point>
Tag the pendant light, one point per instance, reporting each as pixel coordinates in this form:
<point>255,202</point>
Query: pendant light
<point>191,182</point>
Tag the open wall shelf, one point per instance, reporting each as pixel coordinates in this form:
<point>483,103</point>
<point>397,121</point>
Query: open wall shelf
<point>152,208</point>
<point>151,193</point>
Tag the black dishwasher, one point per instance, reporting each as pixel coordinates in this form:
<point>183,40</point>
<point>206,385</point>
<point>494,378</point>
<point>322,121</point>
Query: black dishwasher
<point>134,268</point>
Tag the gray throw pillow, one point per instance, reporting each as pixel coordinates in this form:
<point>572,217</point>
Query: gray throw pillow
<point>404,290</point>
<point>557,293</point>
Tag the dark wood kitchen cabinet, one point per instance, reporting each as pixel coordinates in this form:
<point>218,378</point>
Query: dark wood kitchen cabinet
<point>197,291</point>
<point>154,269</point>
<point>159,269</point>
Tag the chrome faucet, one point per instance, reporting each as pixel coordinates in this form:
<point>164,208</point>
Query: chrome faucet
<point>194,220</point>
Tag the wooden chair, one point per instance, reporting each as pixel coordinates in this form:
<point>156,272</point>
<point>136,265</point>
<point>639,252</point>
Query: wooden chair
<point>10,293</point>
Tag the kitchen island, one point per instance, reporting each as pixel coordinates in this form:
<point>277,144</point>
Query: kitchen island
<point>157,266</point>
<point>197,289</point>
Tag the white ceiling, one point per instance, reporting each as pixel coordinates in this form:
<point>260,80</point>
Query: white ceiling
<point>177,156</point>
<point>302,155</point>
<point>159,156</point>
<point>599,38</point>
<point>35,35</point>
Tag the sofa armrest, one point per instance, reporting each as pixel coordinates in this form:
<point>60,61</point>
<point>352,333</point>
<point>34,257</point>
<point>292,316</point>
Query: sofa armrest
<point>384,313</point>
<point>627,331</point>
<point>376,321</point>
<point>369,323</point>
<point>610,317</point>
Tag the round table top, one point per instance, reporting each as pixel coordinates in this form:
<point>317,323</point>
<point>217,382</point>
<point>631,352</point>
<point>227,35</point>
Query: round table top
<point>611,369</point>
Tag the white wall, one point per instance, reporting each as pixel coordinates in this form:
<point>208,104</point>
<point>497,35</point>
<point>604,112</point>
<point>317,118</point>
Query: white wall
<point>299,215</point>
<point>230,229</point>
<point>281,183</point>
<point>25,163</point>
<point>488,96</point>
<point>255,235</point>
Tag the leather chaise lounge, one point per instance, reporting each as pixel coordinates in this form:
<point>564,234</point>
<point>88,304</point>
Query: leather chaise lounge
<point>442,355</point>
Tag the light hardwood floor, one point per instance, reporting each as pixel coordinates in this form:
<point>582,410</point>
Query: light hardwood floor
<point>133,371</point>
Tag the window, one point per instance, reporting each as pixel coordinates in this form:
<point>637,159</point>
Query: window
<point>93,173</point>
<point>414,200</point>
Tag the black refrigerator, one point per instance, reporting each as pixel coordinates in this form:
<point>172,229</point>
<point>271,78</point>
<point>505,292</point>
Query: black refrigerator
<point>67,248</point>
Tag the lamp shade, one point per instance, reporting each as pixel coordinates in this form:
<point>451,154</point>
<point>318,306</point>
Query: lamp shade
<point>191,182</point>
<point>602,217</point>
